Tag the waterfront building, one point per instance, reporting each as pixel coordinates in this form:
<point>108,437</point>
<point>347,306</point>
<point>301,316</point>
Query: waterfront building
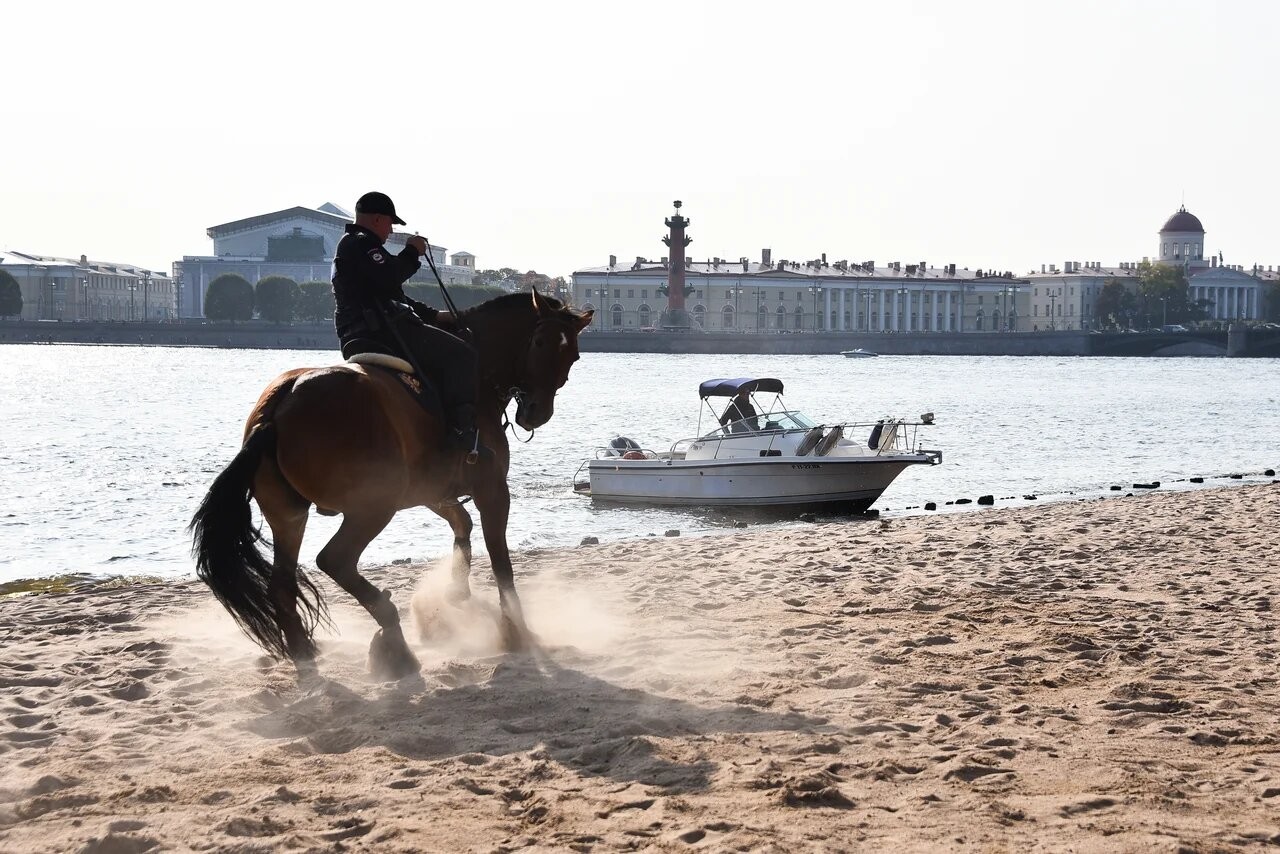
<point>719,295</point>
<point>56,288</point>
<point>297,243</point>
<point>1064,298</point>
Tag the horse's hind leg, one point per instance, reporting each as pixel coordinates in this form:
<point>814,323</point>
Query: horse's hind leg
<point>389,655</point>
<point>460,521</point>
<point>285,511</point>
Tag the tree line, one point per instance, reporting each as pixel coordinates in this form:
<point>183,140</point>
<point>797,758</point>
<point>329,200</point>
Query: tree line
<point>1162,296</point>
<point>279,299</point>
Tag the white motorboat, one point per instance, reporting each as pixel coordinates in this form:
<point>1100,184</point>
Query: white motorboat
<point>776,459</point>
<point>857,353</point>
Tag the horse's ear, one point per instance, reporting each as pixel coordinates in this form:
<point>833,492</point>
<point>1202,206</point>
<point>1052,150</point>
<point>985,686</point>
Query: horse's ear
<point>537,306</point>
<point>584,318</point>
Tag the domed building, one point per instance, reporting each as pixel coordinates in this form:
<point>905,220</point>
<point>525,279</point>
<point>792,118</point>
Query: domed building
<point>1182,239</point>
<point>1065,298</point>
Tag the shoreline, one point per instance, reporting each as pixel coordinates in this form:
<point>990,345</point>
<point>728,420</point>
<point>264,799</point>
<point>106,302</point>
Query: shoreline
<point>1095,675</point>
<point>79,581</point>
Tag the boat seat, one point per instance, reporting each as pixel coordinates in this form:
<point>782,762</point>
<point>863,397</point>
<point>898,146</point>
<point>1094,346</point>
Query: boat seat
<point>829,441</point>
<point>810,441</point>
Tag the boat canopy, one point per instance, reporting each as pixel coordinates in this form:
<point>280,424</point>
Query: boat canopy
<point>731,388</point>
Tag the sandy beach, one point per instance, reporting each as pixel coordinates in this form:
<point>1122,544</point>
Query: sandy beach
<point>1087,676</point>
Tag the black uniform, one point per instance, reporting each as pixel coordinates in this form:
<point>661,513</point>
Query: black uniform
<point>368,285</point>
<point>739,416</point>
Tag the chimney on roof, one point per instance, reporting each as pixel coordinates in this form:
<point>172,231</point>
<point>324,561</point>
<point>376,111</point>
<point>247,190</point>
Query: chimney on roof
<point>744,265</point>
<point>613,260</point>
<point>766,257</point>
<point>824,259</point>
<point>84,261</point>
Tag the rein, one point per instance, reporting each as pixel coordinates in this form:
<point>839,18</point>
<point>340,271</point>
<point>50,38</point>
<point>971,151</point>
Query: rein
<point>515,392</point>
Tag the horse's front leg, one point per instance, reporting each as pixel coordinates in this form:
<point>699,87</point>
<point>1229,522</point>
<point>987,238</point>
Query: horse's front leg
<point>460,521</point>
<point>494,504</point>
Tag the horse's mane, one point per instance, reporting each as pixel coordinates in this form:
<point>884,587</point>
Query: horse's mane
<point>518,301</point>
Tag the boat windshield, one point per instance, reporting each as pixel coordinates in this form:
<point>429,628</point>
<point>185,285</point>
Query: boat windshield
<point>765,423</point>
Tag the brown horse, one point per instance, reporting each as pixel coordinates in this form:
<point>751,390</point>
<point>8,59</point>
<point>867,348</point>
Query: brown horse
<point>352,440</point>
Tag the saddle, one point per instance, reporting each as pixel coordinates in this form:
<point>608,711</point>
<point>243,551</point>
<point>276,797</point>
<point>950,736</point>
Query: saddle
<point>420,387</point>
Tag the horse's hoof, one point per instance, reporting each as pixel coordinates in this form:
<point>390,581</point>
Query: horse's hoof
<point>456,594</point>
<point>308,673</point>
<point>391,659</point>
<point>516,636</point>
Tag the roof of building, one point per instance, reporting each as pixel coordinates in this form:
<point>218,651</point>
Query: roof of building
<point>800,270</point>
<point>25,258</point>
<point>1183,220</point>
<point>1129,271</point>
<point>299,212</point>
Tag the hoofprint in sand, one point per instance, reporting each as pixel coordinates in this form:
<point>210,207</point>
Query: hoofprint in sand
<point>1097,675</point>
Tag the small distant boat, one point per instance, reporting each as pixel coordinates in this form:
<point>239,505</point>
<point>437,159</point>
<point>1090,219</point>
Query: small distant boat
<point>859,353</point>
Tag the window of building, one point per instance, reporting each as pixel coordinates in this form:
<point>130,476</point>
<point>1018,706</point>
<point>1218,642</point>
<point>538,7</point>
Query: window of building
<point>977,323</point>
<point>617,293</point>
<point>617,315</point>
<point>979,299</point>
<point>697,294</point>
<point>644,293</point>
<point>1035,311</point>
<point>631,293</point>
<point>728,294</point>
<point>644,314</point>
<point>726,316</point>
<point>799,296</point>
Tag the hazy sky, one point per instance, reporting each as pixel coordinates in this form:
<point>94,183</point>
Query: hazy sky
<point>549,135</point>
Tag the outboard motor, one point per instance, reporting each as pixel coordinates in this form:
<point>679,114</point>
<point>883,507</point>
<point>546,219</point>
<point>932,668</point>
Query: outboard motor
<point>620,445</point>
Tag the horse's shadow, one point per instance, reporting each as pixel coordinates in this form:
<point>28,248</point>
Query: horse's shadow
<point>528,704</point>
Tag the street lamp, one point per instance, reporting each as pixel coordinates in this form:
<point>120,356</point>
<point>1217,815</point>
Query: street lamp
<point>1009,293</point>
<point>146,282</point>
<point>133,286</point>
<point>84,298</point>
<point>815,290</point>
<point>1164,311</point>
<point>757,309</point>
<point>1053,298</point>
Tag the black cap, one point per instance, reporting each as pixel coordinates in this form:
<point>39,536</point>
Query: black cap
<point>378,203</point>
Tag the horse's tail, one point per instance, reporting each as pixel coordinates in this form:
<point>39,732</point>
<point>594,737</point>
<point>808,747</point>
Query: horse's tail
<point>227,554</point>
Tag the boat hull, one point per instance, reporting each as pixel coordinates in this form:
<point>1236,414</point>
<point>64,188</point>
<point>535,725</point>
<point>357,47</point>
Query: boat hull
<point>845,483</point>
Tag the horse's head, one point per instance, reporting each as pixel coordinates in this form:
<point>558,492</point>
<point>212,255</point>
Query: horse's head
<point>553,348</point>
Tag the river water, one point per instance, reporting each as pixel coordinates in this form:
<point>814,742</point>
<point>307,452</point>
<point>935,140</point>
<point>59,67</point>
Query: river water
<point>106,451</point>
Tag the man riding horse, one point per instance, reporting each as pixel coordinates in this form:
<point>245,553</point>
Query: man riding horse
<point>374,314</point>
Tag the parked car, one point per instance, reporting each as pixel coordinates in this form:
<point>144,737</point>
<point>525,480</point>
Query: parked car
<point>1174,327</point>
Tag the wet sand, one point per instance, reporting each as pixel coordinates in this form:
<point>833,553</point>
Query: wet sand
<point>1088,676</point>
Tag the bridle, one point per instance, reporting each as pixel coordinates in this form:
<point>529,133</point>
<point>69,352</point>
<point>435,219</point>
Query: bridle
<point>517,391</point>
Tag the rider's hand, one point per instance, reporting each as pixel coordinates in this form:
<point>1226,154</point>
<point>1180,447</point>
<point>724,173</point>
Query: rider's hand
<point>418,243</point>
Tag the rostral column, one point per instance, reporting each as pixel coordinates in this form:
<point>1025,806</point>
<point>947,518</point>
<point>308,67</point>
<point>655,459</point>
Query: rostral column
<point>675,315</point>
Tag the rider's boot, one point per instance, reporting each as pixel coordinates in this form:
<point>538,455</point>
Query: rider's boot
<point>464,434</point>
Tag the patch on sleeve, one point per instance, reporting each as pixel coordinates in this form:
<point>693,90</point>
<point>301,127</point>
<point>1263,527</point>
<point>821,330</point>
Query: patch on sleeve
<point>376,255</point>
